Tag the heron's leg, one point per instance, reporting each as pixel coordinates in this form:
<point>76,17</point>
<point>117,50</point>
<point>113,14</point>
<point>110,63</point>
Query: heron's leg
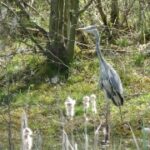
<point>107,123</point>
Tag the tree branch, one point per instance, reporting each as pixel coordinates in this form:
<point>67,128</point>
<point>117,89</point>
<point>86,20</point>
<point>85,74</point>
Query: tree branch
<point>42,30</point>
<point>126,12</point>
<point>103,15</point>
<point>128,97</point>
<point>49,2</point>
<point>33,39</point>
<point>34,9</point>
<point>85,7</point>
<point>25,29</point>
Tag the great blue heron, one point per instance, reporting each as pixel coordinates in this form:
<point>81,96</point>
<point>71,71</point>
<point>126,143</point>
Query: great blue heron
<point>109,79</point>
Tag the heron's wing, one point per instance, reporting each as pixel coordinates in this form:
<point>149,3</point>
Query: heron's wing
<point>111,93</point>
<point>114,80</point>
<point>116,86</point>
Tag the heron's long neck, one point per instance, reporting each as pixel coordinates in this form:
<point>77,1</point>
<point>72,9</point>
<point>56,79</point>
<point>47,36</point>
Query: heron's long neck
<point>98,50</point>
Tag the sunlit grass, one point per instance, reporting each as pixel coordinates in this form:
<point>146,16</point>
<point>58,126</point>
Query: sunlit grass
<point>45,101</point>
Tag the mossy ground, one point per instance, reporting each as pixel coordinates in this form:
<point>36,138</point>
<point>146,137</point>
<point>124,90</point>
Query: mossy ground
<point>25,79</point>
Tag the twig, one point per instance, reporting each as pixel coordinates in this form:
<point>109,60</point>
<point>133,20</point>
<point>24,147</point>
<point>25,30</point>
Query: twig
<point>85,130</point>
<point>49,2</point>
<point>121,114</point>
<point>134,138</point>
<point>34,40</point>
<point>67,140</point>
<point>10,128</point>
<point>100,9</point>
<point>85,7</point>
<point>127,12</point>
<point>96,136</point>
<point>33,9</point>
<point>128,97</point>
<point>28,16</point>
<point>98,128</point>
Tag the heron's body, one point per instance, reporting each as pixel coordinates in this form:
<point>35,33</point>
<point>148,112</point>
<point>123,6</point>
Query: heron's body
<point>109,79</point>
<point>109,83</point>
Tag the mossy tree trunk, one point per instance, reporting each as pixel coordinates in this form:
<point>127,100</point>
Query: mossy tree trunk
<point>73,15</point>
<point>62,26</point>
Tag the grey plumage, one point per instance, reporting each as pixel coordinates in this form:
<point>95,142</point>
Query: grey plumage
<point>109,79</point>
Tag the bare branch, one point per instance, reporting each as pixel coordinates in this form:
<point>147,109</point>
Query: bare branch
<point>30,6</point>
<point>85,7</point>
<point>100,9</point>
<point>5,5</point>
<point>42,30</point>
<point>128,97</point>
<point>126,12</point>
<point>49,2</point>
<point>25,29</point>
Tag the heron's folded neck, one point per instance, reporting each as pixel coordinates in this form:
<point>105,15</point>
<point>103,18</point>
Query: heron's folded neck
<point>98,49</point>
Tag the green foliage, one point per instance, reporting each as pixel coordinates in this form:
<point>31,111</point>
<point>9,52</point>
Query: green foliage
<point>79,110</point>
<point>144,35</point>
<point>45,101</point>
<point>139,59</point>
<point>26,77</point>
<point>21,62</point>
<point>122,42</point>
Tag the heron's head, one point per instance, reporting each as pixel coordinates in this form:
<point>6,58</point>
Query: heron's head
<point>90,29</point>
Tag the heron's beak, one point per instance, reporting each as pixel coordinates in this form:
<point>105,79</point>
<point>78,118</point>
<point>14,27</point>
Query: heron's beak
<point>80,29</point>
<point>88,29</point>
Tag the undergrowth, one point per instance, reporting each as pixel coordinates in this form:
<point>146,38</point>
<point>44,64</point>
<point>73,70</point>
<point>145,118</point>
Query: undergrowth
<point>29,87</point>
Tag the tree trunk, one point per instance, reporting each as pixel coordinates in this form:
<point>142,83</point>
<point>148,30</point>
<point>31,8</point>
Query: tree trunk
<point>114,13</point>
<point>56,51</point>
<point>73,21</point>
<point>100,9</point>
<point>104,18</point>
<point>66,20</point>
<point>62,26</point>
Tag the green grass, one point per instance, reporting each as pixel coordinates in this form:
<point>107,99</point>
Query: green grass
<point>122,42</point>
<point>45,101</point>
